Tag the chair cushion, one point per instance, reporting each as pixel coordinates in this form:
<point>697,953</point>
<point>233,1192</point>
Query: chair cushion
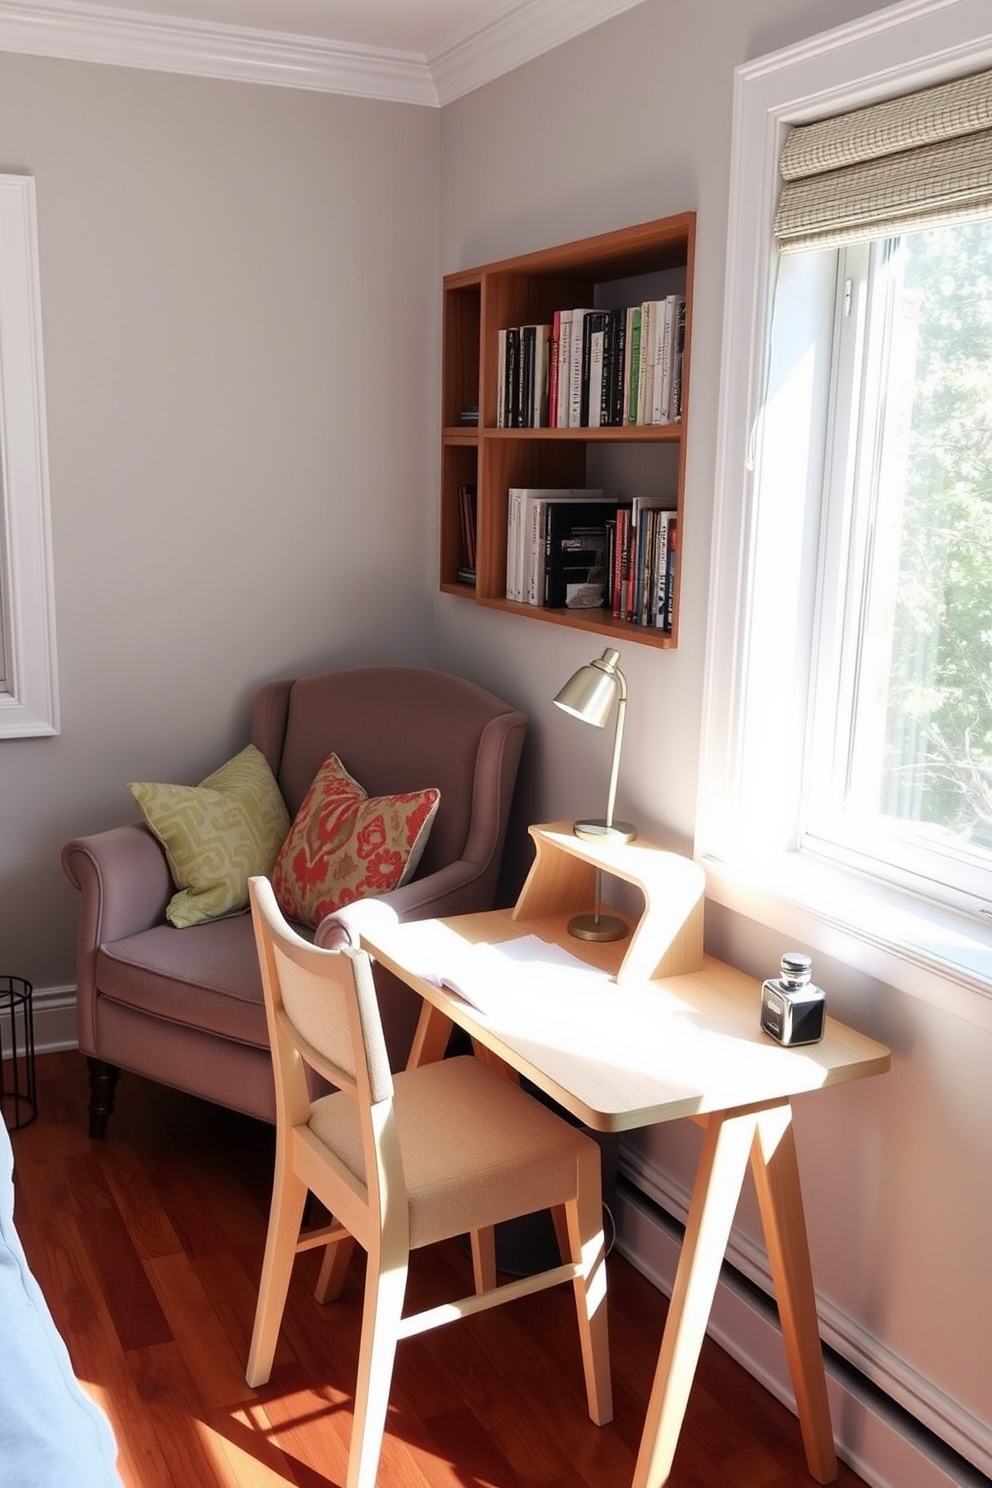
<point>476,1149</point>
<point>216,835</point>
<point>345,845</point>
<point>204,976</point>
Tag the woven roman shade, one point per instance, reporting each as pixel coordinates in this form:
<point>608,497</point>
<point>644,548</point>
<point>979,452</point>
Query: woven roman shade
<point>911,162</point>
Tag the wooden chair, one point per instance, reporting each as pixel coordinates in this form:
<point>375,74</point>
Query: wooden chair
<point>401,1161</point>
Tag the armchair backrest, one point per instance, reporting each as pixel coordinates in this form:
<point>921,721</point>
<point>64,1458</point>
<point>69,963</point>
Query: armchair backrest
<point>399,729</point>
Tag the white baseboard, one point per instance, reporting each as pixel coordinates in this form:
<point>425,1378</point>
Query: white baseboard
<point>874,1436</point>
<point>54,1020</point>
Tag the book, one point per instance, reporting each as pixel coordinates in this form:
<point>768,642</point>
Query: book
<point>639,555</point>
<point>633,363</point>
<point>673,535</point>
<point>594,395</point>
<point>645,363</point>
<point>575,554</point>
<point>592,324</point>
<point>564,368</point>
<point>542,373</point>
<point>511,381</point>
<point>663,538</point>
<point>553,351</point>
<point>535,519</point>
<point>575,368</point>
<point>528,357</point>
<point>501,378</point>
<point>662,407</point>
<point>617,342</point>
<point>524,532</point>
<point>679,359</point>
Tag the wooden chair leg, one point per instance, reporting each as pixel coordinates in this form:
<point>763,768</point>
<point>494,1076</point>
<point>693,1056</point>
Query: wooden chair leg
<point>483,1244</point>
<point>587,1247</point>
<point>385,1289</point>
<point>334,1269</point>
<point>289,1194</point>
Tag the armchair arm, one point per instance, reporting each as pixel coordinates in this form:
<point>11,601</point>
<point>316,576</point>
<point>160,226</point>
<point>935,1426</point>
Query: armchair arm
<point>125,882</point>
<point>449,891</point>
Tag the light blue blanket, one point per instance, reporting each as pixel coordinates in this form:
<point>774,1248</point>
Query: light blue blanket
<point>51,1434</point>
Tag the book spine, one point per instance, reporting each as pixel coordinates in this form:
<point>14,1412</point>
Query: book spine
<point>633,364</point>
<point>553,354</point>
<point>512,537</point>
<point>618,367</point>
<point>542,353</point>
<point>512,393</point>
<point>575,369</point>
<point>673,536</point>
<point>644,362</point>
<point>594,397</point>
<point>501,379</point>
<point>679,359</point>
<point>528,354</point>
<point>564,367</point>
<point>591,323</point>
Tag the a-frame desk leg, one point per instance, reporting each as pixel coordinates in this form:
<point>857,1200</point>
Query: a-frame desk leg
<point>732,1138</point>
<point>776,1177</point>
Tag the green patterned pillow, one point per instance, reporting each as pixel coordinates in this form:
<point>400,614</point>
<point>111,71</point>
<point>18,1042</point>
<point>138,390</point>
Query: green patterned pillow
<point>216,835</point>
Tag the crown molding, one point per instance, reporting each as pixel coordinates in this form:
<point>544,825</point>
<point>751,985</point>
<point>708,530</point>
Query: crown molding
<point>81,32</point>
<point>517,34</point>
<point>76,30</point>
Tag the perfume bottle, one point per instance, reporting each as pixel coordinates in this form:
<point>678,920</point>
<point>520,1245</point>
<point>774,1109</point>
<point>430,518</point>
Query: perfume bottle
<point>792,1008</point>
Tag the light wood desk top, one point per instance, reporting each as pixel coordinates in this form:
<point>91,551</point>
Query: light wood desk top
<point>629,1054</point>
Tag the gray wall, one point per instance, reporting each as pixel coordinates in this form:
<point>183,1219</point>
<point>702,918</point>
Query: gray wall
<point>239,303</point>
<point>629,122</point>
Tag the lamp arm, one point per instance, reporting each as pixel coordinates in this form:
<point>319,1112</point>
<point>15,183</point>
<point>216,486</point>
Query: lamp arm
<point>617,741</point>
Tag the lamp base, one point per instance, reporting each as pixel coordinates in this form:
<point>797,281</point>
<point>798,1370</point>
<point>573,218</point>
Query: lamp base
<point>599,830</point>
<point>597,926</point>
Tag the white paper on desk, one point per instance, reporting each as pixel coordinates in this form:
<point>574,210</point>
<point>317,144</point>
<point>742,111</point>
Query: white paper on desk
<point>494,978</point>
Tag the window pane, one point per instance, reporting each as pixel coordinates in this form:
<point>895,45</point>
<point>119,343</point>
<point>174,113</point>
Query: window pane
<point>918,627</point>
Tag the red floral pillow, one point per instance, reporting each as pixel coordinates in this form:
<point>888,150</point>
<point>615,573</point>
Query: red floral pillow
<point>344,846</point>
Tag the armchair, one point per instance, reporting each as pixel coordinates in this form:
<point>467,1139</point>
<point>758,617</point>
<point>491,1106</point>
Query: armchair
<point>184,1006</point>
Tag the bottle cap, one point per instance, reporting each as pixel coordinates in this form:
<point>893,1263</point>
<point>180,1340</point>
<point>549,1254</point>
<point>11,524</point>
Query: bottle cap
<point>797,968</point>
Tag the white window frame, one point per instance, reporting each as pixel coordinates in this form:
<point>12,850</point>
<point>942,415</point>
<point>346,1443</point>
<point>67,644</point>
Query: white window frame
<point>29,702</point>
<point>746,833</point>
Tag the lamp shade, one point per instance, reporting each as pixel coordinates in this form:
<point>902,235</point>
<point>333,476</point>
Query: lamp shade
<point>590,692</point>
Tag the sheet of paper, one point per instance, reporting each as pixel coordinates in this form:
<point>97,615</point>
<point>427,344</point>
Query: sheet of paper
<point>496,977</point>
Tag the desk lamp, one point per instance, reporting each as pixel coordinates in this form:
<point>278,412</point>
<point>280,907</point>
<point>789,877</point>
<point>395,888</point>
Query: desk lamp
<point>589,695</point>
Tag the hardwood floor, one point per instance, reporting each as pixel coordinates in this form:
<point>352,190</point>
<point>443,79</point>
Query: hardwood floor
<point>148,1247</point>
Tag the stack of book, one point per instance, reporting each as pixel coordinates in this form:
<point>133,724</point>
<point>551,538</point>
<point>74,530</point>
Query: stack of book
<point>594,368</point>
<point>642,557</point>
<point>578,548</point>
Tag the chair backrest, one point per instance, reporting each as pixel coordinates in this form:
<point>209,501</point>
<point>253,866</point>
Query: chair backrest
<point>321,1006</point>
<point>401,729</point>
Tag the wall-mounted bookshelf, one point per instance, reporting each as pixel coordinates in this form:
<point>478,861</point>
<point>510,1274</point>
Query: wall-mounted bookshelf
<point>647,262</point>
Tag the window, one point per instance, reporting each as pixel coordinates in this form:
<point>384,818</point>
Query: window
<point>28,693</point>
<point>899,769</point>
<point>846,780</point>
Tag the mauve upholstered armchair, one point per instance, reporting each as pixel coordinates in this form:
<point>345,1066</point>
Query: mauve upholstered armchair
<point>184,1006</point>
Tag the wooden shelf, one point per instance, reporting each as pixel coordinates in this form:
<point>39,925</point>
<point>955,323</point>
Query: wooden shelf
<point>616,268</point>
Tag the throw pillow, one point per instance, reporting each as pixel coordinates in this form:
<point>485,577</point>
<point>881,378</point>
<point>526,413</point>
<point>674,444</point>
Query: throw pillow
<point>216,835</point>
<point>345,846</point>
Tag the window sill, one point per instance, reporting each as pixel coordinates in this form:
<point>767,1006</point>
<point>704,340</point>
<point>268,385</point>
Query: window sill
<point>917,947</point>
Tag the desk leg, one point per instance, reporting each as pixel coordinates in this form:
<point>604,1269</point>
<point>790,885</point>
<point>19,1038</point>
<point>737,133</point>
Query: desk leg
<point>430,1037</point>
<point>722,1165</point>
<point>776,1177</point>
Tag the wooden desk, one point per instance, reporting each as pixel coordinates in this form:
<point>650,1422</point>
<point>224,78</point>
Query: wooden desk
<point>636,1050</point>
